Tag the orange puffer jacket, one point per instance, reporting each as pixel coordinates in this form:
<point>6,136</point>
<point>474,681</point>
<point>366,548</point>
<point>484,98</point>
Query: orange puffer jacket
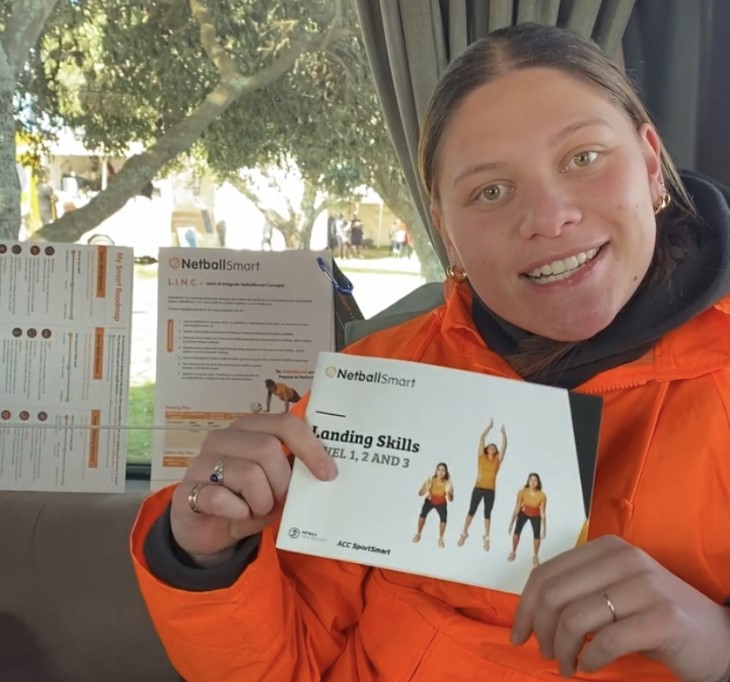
<point>662,483</point>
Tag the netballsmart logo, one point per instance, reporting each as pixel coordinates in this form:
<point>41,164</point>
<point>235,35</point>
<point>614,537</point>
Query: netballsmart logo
<point>218,265</point>
<point>294,533</point>
<point>174,263</point>
<point>369,378</point>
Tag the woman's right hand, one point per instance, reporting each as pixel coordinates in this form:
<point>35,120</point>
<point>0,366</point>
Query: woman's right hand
<point>256,476</point>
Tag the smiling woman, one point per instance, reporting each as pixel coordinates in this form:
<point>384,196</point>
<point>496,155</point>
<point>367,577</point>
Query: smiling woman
<point>573,181</point>
<point>577,260</point>
<point>546,174</point>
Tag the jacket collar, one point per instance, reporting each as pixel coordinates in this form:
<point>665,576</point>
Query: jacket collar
<point>698,347</point>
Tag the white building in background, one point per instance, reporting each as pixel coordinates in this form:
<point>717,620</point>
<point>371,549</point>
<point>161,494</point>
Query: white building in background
<point>184,201</point>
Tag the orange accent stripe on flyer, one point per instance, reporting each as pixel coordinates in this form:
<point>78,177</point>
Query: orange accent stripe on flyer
<point>101,267</point>
<point>94,439</point>
<point>170,335</point>
<point>177,462</point>
<point>98,353</point>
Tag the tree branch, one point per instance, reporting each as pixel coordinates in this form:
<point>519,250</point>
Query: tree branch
<point>142,168</point>
<point>139,170</point>
<point>293,213</point>
<point>23,30</point>
<point>209,40</point>
<point>227,67</point>
<point>335,25</point>
<point>287,225</point>
<point>398,200</point>
<point>318,208</point>
<point>349,75</point>
<point>244,188</point>
<point>7,72</point>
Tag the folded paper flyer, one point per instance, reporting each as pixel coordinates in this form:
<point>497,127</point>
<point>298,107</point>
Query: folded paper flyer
<point>65,322</point>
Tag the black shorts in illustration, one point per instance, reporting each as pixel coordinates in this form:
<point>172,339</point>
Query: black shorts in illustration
<point>440,510</point>
<point>482,494</point>
<point>535,521</point>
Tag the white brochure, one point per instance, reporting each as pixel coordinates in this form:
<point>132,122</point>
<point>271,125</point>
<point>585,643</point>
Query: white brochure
<point>444,473</point>
<point>238,332</point>
<point>65,322</point>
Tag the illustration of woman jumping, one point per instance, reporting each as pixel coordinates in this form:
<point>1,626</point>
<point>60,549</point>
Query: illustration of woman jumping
<point>530,506</point>
<point>489,460</point>
<point>439,492</point>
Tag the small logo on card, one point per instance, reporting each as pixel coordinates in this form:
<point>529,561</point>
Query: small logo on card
<point>369,378</point>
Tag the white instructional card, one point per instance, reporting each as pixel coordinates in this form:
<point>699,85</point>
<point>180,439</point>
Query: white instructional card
<point>238,332</point>
<point>444,473</point>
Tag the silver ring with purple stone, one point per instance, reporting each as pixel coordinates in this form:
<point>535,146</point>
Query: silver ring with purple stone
<point>217,475</point>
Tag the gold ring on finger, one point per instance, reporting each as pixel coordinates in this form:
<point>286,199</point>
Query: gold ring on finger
<point>610,605</point>
<point>217,475</point>
<point>193,497</point>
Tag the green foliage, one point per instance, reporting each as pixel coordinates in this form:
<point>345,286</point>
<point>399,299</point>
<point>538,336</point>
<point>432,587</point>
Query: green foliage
<point>126,72</point>
<point>323,117</point>
<point>140,417</point>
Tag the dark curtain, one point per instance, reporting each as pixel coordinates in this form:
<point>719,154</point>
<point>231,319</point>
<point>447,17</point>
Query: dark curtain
<point>410,42</point>
<point>713,138</point>
<point>664,55</point>
<point>677,52</point>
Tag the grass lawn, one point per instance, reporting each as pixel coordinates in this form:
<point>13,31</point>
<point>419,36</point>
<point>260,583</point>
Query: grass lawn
<point>141,413</point>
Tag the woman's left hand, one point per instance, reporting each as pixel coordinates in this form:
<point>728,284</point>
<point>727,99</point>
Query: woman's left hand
<point>627,602</point>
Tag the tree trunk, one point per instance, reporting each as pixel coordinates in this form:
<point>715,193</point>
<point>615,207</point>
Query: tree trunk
<point>20,34</point>
<point>310,211</point>
<point>288,226</point>
<point>23,28</point>
<point>9,182</point>
<point>398,200</point>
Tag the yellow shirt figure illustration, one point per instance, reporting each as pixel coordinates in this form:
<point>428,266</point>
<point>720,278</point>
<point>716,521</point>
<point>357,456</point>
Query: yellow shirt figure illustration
<point>489,461</point>
<point>531,500</point>
<point>487,471</point>
<point>283,392</point>
<point>438,490</point>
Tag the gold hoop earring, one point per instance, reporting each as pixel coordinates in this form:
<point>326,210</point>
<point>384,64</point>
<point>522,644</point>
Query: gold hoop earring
<point>664,201</point>
<point>455,272</point>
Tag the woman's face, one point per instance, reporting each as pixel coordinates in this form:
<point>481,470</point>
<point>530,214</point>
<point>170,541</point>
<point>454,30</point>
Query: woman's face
<point>491,450</point>
<point>441,471</point>
<point>546,195</point>
<point>532,482</point>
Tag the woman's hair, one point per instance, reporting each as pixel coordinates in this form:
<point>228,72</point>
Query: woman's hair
<point>527,46</point>
<point>491,445</point>
<point>539,480</point>
<point>446,467</point>
<point>270,383</point>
